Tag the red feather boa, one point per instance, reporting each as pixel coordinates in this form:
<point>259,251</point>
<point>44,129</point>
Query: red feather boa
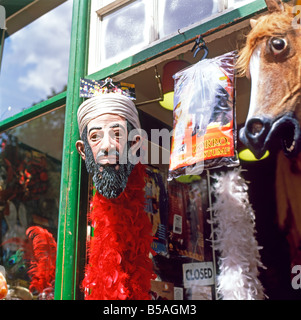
<point>42,266</point>
<point>119,264</point>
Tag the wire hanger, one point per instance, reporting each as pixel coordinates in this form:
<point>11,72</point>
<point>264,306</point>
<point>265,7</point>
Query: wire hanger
<point>200,45</point>
<point>108,82</point>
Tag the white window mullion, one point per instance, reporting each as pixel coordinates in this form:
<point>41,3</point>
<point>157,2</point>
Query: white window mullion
<point>94,37</point>
<point>222,5</point>
<point>154,27</point>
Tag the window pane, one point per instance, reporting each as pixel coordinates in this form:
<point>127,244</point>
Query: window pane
<point>124,31</point>
<point>35,61</point>
<point>177,14</point>
<point>30,173</point>
<point>242,2</point>
<point>106,2</point>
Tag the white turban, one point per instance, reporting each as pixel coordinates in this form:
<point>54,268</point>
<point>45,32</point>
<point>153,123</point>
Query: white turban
<point>114,103</point>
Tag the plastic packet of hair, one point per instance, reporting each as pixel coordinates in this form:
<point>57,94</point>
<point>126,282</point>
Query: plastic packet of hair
<point>204,121</point>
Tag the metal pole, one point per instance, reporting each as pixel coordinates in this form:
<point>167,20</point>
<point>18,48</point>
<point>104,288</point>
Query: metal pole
<point>212,232</point>
<point>2,38</point>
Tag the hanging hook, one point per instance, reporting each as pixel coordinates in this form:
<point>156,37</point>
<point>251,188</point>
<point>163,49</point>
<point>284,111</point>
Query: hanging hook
<point>200,45</point>
<point>108,81</point>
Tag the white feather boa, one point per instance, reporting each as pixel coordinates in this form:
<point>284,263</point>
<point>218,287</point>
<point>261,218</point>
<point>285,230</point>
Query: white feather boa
<point>234,223</point>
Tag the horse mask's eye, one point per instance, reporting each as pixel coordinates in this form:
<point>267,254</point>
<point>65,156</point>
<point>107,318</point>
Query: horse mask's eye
<point>278,45</point>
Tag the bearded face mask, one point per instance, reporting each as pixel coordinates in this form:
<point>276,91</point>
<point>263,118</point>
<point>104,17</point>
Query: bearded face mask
<point>109,168</point>
<point>104,124</point>
<point>119,264</point>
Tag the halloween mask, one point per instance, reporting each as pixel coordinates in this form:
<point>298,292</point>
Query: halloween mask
<point>105,122</point>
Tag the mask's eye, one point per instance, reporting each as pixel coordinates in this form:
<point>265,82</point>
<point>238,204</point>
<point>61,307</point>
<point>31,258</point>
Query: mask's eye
<point>278,45</point>
<point>95,136</point>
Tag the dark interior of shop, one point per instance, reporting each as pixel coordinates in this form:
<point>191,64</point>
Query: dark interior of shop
<point>276,278</point>
<point>275,254</point>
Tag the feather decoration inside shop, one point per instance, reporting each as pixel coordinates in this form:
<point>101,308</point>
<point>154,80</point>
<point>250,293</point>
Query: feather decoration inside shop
<point>234,239</point>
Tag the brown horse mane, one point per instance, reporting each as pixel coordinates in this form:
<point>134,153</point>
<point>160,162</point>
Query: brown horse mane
<point>270,25</point>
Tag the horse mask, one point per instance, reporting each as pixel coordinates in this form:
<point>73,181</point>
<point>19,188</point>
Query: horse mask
<point>271,58</point>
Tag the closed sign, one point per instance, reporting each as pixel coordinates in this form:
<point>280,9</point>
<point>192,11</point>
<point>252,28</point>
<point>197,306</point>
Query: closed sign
<point>198,274</point>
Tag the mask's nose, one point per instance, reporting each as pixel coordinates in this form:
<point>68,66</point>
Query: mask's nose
<point>107,149</point>
<point>254,134</point>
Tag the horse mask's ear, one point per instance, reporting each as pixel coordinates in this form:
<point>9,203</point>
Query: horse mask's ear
<point>274,5</point>
<point>253,23</point>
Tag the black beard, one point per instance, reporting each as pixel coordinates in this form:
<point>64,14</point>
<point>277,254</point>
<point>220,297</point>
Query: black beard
<point>110,180</point>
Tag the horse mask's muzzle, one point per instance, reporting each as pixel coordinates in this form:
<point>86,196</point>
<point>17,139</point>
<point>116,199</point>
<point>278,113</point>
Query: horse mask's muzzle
<point>259,132</point>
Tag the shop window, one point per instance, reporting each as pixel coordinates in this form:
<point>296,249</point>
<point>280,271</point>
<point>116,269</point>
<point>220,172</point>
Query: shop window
<point>181,265</point>
<point>30,173</point>
<point>125,30</point>
<point>120,29</point>
<point>175,14</point>
<point>182,255</point>
<point>35,61</point>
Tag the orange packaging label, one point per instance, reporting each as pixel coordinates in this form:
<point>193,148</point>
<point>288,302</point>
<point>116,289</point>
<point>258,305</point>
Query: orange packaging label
<point>216,143</point>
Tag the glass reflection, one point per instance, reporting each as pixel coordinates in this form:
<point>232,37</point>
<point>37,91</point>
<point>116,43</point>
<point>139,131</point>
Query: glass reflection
<point>30,172</point>
<point>176,14</point>
<point>124,30</point>
<point>35,61</point>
